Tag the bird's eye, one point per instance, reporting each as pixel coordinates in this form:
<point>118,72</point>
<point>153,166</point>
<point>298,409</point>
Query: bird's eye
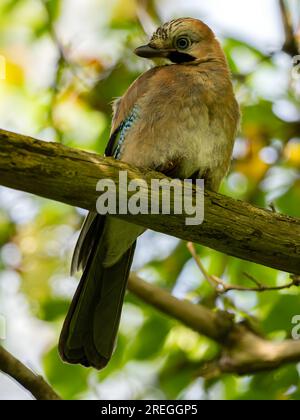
<point>183,43</point>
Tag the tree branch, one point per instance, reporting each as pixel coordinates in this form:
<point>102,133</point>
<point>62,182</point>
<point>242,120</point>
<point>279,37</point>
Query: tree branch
<point>199,318</point>
<point>221,287</point>
<point>68,175</point>
<point>236,228</point>
<point>36,385</point>
<point>243,351</point>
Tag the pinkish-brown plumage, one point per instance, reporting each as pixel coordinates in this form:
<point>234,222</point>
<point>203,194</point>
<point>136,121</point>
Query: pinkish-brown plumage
<point>187,112</point>
<point>181,119</point>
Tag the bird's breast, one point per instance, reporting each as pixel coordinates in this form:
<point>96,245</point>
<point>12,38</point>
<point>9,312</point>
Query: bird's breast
<point>183,118</point>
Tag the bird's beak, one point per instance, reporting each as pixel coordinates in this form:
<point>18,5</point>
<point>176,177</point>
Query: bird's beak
<point>146,51</point>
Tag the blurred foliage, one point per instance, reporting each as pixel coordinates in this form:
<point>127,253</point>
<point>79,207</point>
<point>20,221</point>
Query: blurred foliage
<point>59,88</point>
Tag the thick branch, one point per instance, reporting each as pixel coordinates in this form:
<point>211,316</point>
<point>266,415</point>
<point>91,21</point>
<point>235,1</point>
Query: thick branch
<point>230,226</point>
<point>199,318</point>
<point>70,176</point>
<point>25,377</point>
<point>243,351</point>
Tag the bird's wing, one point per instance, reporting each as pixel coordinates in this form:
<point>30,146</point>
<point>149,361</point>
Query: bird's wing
<point>123,115</point>
<point>90,233</point>
<point>124,110</point>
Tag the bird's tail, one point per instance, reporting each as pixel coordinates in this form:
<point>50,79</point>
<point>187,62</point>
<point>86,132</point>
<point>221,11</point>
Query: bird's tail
<point>89,332</point>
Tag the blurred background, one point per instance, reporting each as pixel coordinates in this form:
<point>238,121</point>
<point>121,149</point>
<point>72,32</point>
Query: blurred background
<point>65,62</point>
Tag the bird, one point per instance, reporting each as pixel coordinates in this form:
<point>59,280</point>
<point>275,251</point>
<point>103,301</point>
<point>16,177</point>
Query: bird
<point>179,118</point>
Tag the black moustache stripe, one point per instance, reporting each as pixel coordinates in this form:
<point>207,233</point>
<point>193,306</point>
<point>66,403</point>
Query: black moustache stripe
<point>178,57</point>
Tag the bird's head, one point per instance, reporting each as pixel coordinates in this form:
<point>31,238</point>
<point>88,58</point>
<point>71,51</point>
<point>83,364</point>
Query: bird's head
<point>183,40</point>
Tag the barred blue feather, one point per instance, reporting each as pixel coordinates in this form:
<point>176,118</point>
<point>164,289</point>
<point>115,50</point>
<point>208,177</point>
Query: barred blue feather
<point>124,129</point>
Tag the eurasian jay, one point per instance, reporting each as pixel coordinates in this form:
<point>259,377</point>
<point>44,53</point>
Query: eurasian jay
<point>180,119</point>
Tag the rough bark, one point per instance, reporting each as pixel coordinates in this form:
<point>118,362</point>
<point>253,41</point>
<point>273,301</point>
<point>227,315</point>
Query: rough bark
<point>236,228</point>
<point>70,176</point>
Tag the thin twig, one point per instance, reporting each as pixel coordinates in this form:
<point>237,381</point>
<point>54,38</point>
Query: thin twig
<point>253,279</point>
<point>222,287</point>
<point>209,278</point>
<point>35,384</point>
<point>74,68</point>
<point>64,61</point>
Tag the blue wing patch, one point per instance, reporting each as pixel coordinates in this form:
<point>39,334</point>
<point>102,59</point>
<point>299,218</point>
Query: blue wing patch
<point>124,128</point>
<point>116,142</point>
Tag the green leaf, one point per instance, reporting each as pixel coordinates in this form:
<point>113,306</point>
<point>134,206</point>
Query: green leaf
<point>53,309</point>
<point>281,315</point>
<point>150,338</point>
<point>177,374</point>
<point>68,380</point>
<point>273,385</point>
<point>53,8</point>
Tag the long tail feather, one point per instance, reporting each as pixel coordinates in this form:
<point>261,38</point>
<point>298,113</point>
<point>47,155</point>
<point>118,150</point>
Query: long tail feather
<point>90,329</point>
